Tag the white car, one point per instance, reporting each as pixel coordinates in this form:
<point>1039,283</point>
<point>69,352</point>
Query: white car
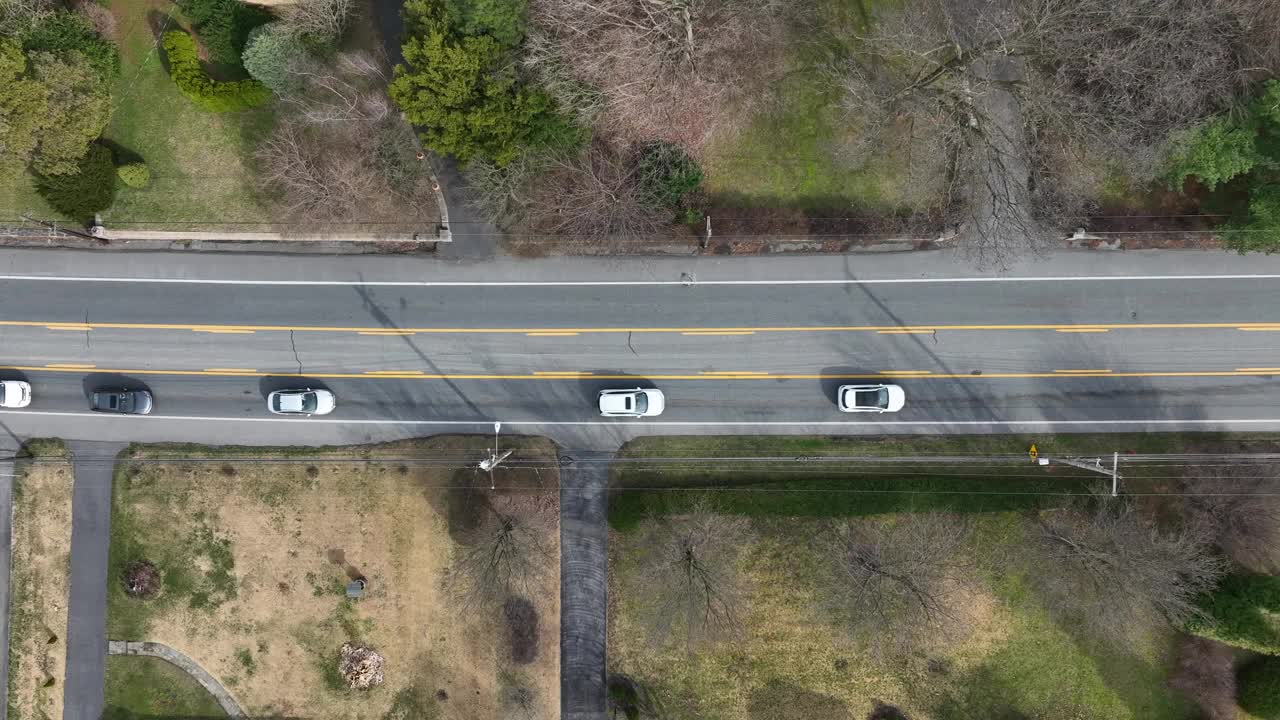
<point>637,402</point>
<point>870,398</point>
<point>301,402</point>
<point>15,393</point>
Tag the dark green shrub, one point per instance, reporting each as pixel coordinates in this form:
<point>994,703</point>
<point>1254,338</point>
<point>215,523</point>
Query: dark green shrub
<point>1237,614</point>
<point>135,175</point>
<point>82,194</point>
<point>668,173</point>
<point>501,19</point>
<point>1259,688</point>
<point>224,26</point>
<point>464,93</point>
<point>65,31</point>
<point>210,94</point>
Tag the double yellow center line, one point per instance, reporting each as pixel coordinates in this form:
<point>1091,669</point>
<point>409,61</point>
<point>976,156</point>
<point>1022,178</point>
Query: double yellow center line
<point>688,331</point>
<point>878,375</point>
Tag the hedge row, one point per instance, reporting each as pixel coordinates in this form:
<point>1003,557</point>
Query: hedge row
<point>210,94</point>
<point>1239,613</point>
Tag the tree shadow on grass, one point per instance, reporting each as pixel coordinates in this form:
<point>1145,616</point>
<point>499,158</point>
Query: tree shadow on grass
<point>781,700</point>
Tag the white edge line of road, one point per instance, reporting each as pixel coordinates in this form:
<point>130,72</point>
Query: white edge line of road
<point>594,283</point>
<point>649,423</point>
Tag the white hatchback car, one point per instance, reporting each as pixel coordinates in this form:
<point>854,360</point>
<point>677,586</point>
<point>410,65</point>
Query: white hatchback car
<point>301,402</point>
<point>637,402</point>
<point>870,398</point>
<point>15,393</point>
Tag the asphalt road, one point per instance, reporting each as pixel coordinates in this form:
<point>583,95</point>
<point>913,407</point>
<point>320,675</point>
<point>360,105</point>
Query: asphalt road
<point>756,354</point>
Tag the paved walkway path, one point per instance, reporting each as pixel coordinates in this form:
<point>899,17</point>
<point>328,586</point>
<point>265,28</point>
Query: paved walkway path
<point>6,551</point>
<point>584,485</point>
<point>87,610</point>
<point>191,667</point>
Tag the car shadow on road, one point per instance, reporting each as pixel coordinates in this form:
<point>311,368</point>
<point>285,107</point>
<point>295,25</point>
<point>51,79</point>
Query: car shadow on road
<point>95,382</point>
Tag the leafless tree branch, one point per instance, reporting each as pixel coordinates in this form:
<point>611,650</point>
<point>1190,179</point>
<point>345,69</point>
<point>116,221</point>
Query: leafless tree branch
<point>687,578</point>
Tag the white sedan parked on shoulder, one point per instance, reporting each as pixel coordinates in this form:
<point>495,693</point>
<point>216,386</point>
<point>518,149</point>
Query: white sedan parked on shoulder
<point>301,402</point>
<point>15,393</point>
<point>637,402</point>
<point>870,398</point>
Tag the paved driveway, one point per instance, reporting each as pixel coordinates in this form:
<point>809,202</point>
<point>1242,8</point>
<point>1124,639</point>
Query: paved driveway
<point>87,611</point>
<point>584,482</point>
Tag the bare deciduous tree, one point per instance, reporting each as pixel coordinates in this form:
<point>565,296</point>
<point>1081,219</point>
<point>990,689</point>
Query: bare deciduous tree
<point>666,69</point>
<point>591,198</point>
<point>18,15</point>
<point>322,19</point>
<point>350,89</point>
<point>337,156</point>
<point>506,555</point>
<point>1000,79</point>
<point>898,580</point>
<point>1236,504</point>
<point>1112,573</point>
<point>1205,673</point>
<point>687,578</point>
<point>319,180</point>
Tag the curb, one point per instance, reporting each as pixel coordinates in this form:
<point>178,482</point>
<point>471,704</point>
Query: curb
<point>164,652</point>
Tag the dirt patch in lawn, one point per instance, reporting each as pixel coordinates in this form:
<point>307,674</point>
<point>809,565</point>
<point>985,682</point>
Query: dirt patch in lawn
<point>256,554</point>
<point>40,577</point>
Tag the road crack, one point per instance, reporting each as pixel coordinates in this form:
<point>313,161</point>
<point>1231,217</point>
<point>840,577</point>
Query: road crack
<point>294,344</point>
<point>629,346</point>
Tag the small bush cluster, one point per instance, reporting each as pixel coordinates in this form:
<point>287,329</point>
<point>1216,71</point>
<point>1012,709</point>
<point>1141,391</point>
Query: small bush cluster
<point>65,31</point>
<point>224,26</point>
<point>210,94</point>
<point>134,174</point>
<point>79,195</point>
<point>1259,684</point>
<point>668,173</point>
<point>1237,614</point>
<point>1237,158</point>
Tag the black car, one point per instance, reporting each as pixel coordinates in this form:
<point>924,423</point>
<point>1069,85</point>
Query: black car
<point>127,402</point>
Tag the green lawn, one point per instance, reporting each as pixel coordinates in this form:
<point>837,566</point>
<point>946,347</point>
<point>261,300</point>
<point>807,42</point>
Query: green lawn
<point>644,484</point>
<point>147,688</point>
<point>200,162</point>
<point>1019,661</point>
<point>793,663</point>
<point>198,159</point>
<point>790,154</point>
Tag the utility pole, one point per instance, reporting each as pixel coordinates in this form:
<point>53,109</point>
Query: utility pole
<point>494,459</point>
<point>1091,464</point>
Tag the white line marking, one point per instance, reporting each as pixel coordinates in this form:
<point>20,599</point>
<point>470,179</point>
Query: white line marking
<point>594,283</point>
<point>658,423</point>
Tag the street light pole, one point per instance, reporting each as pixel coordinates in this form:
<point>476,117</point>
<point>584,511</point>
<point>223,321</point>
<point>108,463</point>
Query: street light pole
<point>494,458</point>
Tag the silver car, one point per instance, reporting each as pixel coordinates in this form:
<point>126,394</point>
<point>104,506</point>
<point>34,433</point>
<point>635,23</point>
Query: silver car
<point>636,402</point>
<point>124,402</point>
<point>15,394</point>
<point>870,398</point>
<point>301,402</point>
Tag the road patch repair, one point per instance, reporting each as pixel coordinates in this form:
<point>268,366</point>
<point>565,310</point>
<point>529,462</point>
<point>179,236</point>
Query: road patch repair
<point>343,581</point>
<point>40,581</point>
